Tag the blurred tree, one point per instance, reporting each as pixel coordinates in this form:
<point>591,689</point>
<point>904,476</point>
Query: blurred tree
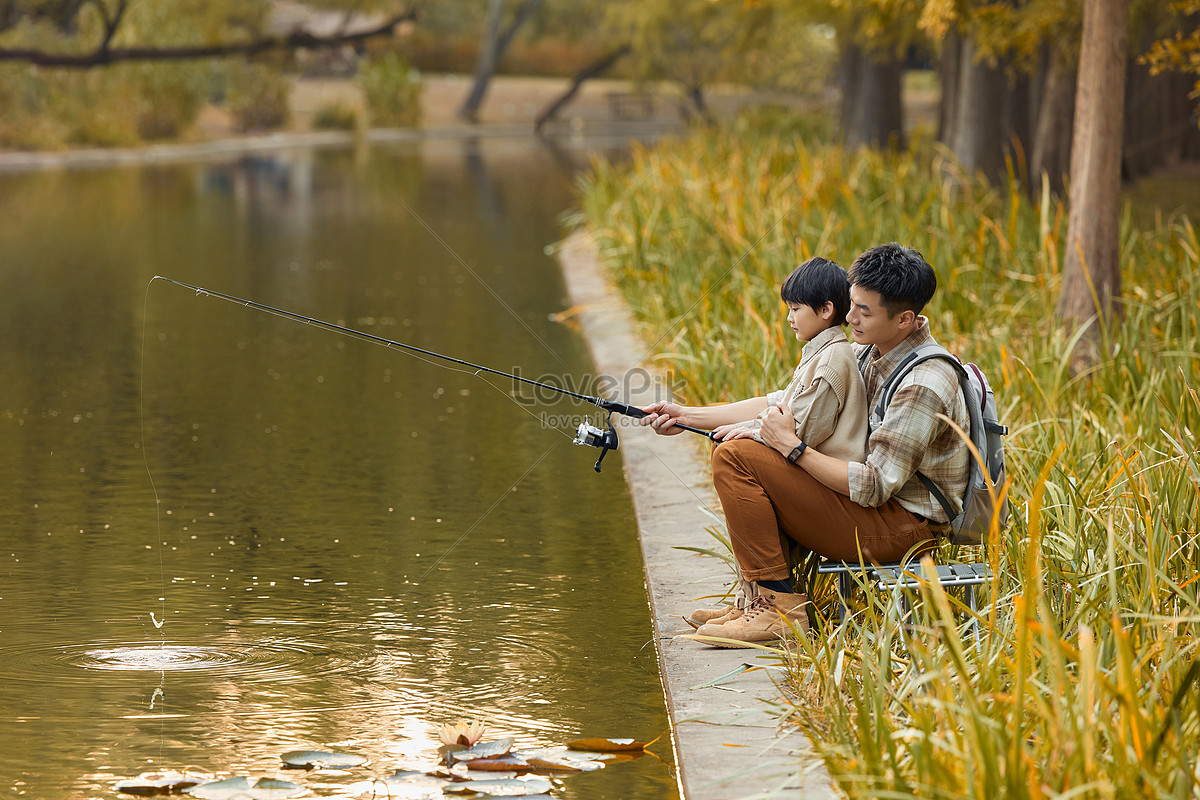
<point>691,43</point>
<point>873,38</point>
<point>498,34</point>
<point>215,28</point>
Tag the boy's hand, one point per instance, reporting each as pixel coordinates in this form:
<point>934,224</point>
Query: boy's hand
<point>779,429</point>
<point>725,433</point>
<point>662,416</point>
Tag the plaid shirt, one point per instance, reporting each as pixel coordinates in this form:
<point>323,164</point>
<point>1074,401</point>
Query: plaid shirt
<point>911,436</point>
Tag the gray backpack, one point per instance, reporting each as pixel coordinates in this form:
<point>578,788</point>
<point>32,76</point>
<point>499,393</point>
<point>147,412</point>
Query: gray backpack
<point>970,526</point>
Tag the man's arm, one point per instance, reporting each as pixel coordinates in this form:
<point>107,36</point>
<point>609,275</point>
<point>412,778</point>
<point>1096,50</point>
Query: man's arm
<point>779,431</point>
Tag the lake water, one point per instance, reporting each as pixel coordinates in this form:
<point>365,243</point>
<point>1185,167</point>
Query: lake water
<point>348,545</point>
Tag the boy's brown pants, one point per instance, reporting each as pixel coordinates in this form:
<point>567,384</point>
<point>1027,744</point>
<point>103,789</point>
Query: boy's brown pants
<point>766,498</point>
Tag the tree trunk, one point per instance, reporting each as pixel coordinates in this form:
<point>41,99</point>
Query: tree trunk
<point>948,69</point>
<point>871,110</point>
<point>1051,155</point>
<point>495,42</point>
<point>979,131</point>
<point>485,68</point>
<point>1091,266</point>
<point>1158,115</point>
<point>1018,124</point>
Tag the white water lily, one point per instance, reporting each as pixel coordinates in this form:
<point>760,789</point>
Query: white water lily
<point>463,732</point>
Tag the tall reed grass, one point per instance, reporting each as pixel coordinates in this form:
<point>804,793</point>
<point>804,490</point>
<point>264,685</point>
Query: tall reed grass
<point>1084,680</point>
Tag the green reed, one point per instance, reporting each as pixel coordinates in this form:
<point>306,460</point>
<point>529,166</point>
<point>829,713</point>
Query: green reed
<point>1084,679</point>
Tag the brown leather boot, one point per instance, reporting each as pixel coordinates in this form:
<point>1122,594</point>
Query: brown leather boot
<point>765,620</point>
<point>716,616</point>
<point>746,591</point>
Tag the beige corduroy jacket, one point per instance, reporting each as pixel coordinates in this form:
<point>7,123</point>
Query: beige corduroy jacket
<point>827,397</point>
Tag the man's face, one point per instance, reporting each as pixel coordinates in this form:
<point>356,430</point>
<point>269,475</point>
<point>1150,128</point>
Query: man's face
<point>870,323</point>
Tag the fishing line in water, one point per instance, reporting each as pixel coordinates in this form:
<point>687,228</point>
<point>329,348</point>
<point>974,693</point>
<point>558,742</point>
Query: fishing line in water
<point>162,574</point>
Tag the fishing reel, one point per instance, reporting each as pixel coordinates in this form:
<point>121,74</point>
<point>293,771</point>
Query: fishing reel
<point>592,436</point>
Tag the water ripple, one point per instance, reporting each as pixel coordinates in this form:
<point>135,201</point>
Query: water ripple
<point>266,660</point>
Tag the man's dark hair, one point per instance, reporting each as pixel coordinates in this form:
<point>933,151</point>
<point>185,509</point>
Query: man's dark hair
<point>816,282</point>
<point>900,274</point>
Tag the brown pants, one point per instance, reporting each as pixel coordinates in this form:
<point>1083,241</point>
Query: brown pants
<point>766,499</point>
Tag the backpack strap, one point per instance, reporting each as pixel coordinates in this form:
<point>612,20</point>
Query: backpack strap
<point>928,483</point>
<point>919,355</point>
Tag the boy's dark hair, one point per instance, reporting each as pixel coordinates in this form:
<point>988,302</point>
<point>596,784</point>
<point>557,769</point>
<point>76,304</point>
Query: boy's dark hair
<point>900,274</point>
<point>816,282</point>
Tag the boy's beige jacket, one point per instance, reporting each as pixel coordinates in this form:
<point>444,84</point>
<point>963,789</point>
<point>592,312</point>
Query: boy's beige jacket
<point>827,397</point>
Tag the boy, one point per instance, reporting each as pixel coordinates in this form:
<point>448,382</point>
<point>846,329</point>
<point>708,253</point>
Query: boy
<point>825,397</point>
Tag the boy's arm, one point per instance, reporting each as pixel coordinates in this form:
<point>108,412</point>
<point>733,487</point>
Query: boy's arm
<point>663,416</point>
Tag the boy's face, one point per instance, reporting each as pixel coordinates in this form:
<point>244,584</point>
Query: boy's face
<point>870,323</point>
<point>807,323</point>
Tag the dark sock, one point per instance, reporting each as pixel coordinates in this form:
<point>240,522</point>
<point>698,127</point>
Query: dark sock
<point>777,586</point>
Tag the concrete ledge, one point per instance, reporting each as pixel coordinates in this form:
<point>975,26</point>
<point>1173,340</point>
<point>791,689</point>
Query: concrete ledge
<point>727,742</point>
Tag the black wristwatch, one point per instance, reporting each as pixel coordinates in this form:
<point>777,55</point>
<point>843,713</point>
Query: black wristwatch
<point>797,451</point>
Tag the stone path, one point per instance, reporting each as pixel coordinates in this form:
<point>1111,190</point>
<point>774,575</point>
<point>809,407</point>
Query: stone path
<point>727,743</point>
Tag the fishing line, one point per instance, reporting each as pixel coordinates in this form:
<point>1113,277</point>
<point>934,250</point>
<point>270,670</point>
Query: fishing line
<point>724,275</point>
<point>606,440</point>
<point>484,515</point>
<point>162,575</point>
<point>429,229</point>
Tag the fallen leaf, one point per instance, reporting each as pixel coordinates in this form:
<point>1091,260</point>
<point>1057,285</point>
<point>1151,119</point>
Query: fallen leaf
<point>607,745</point>
<point>505,762</point>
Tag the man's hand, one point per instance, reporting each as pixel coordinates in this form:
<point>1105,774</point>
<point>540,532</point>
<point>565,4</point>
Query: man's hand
<point>779,429</point>
<point>663,416</point>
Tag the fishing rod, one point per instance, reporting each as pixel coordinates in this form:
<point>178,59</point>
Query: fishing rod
<point>586,434</point>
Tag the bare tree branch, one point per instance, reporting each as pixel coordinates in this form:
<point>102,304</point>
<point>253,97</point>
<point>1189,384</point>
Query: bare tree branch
<point>111,23</point>
<point>105,55</point>
<point>590,71</point>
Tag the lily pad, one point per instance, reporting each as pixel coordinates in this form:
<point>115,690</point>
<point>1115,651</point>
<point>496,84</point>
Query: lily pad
<point>494,749</point>
<point>548,763</point>
<point>151,783</point>
<point>607,745</point>
<point>221,790</point>
<point>319,759</point>
<point>239,788</point>
<point>392,789</point>
<point>505,787</point>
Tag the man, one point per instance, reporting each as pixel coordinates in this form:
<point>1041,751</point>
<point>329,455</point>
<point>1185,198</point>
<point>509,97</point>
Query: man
<point>788,491</point>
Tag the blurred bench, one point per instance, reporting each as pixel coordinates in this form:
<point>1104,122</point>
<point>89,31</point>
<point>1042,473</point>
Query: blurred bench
<point>631,105</point>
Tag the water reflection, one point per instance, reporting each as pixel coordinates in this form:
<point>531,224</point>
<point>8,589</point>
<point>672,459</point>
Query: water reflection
<point>349,545</point>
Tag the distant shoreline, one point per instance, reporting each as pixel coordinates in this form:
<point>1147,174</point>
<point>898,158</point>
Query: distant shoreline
<point>510,108</point>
